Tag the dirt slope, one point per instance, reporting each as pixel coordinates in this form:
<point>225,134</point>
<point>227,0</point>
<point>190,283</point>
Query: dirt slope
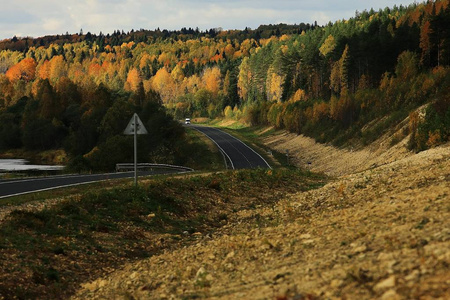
<point>305,152</point>
<point>373,233</point>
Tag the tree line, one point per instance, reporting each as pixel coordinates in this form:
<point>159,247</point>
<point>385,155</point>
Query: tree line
<point>327,82</point>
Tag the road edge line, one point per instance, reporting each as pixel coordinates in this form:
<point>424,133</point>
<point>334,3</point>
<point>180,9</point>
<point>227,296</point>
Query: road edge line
<point>247,147</point>
<point>220,148</point>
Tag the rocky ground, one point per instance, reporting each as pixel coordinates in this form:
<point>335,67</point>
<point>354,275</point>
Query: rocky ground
<point>379,230</point>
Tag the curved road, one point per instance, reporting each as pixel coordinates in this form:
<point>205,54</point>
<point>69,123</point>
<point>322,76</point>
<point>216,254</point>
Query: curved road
<point>238,154</point>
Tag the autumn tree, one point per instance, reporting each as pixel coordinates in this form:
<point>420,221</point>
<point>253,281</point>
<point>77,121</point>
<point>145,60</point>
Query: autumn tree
<point>274,85</point>
<point>68,92</point>
<point>24,70</point>
<point>133,80</point>
<point>177,73</point>
<point>58,68</point>
<point>226,84</point>
<point>328,45</point>
<point>164,84</point>
<point>212,80</point>
<point>300,95</point>
<point>244,79</point>
<point>344,65</point>
<point>339,76</point>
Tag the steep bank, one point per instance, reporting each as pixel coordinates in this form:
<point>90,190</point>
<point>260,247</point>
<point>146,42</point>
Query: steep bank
<point>305,152</point>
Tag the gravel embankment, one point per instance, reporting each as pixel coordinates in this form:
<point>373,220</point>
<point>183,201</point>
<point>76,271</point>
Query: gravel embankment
<point>382,233</point>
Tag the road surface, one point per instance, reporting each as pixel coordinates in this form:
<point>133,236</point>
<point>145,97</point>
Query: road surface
<point>15,187</point>
<point>238,155</point>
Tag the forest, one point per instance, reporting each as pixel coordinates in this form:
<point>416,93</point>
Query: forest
<point>77,91</point>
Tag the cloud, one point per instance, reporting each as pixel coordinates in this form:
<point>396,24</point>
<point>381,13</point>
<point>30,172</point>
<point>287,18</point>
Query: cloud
<point>12,14</point>
<point>37,18</point>
<point>52,25</point>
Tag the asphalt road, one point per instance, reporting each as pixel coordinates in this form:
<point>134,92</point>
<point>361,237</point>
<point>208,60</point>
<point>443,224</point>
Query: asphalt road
<point>14,187</point>
<point>238,154</point>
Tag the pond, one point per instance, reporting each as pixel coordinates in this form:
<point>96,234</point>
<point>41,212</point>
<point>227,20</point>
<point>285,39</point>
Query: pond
<point>9,165</point>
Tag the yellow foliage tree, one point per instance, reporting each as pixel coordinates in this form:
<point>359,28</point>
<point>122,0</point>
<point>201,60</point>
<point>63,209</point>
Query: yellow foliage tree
<point>191,84</point>
<point>300,95</point>
<point>163,83</point>
<point>226,83</point>
<point>212,79</point>
<point>339,73</point>
<point>177,73</point>
<point>229,50</point>
<point>274,86</point>
<point>328,45</point>
<point>244,79</point>
<point>228,112</point>
<point>58,68</point>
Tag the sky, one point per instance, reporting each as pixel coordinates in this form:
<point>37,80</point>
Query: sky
<point>35,18</point>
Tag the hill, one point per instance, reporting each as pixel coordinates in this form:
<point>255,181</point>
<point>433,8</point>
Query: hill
<point>356,100</point>
<point>331,83</point>
<point>381,232</point>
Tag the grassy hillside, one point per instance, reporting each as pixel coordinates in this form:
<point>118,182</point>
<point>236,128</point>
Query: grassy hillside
<point>381,232</point>
<point>48,249</point>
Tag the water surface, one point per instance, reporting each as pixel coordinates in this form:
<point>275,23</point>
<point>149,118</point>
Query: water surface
<point>22,165</point>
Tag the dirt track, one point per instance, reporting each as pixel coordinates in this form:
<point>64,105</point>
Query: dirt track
<point>379,231</point>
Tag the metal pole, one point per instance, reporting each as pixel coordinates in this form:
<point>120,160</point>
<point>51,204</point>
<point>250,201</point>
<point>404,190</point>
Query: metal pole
<point>135,149</point>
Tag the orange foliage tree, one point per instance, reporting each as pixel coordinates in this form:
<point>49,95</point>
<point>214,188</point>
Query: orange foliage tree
<point>133,80</point>
<point>25,70</point>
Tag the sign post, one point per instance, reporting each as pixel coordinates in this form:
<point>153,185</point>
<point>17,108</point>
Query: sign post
<point>135,127</point>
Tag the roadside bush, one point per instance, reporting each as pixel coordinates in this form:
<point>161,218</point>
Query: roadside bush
<point>117,149</point>
<point>435,128</point>
<point>78,164</point>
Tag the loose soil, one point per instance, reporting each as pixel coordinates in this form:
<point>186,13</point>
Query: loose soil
<point>379,230</point>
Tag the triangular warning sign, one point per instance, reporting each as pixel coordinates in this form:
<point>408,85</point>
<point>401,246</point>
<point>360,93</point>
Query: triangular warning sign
<point>140,128</point>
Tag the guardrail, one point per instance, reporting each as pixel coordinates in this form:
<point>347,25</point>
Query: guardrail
<point>142,166</point>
